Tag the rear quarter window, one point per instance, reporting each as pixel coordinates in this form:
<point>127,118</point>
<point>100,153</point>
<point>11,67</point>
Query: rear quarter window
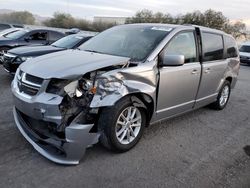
<point>231,47</point>
<point>212,45</point>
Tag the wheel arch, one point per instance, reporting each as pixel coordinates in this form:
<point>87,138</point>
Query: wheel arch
<point>142,100</point>
<point>230,79</point>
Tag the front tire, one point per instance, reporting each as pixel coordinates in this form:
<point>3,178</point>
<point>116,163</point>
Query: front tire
<point>223,97</point>
<point>121,125</point>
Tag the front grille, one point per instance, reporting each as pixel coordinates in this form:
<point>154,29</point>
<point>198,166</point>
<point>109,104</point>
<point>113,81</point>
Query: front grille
<point>34,79</point>
<point>29,84</point>
<point>8,60</point>
<point>9,57</point>
<point>27,89</point>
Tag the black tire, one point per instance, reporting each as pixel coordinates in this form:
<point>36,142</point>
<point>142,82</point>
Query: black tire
<point>107,125</point>
<point>217,105</point>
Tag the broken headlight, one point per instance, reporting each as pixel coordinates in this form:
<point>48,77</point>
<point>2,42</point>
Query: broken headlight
<point>85,86</point>
<point>56,85</point>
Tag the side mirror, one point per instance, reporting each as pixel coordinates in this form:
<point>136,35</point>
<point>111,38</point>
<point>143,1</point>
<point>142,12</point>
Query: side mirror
<point>173,60</point>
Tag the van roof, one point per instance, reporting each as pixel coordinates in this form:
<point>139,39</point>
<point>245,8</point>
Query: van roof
<point>184,26</point>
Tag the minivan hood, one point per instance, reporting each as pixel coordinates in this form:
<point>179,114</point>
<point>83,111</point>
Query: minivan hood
<point>34,50</point>
<point>69,64</point>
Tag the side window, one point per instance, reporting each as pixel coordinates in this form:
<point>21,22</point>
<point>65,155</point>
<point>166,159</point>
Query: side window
<point>54,36</point>
<point>212,45</point>
<point>41,36</point>
<point>183,44</point>
<point>231,47</point>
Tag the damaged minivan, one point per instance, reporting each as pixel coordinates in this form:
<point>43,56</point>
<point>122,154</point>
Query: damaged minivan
<point>118,83</point>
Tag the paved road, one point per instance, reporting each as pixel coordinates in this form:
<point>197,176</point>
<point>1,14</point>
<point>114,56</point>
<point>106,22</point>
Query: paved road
<point>200,149</point>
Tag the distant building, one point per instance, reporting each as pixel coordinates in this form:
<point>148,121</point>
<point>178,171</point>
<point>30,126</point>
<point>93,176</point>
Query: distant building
<point>107,19</point>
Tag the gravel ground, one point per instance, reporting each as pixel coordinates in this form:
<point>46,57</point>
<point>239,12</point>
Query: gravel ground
<point>199,149</point>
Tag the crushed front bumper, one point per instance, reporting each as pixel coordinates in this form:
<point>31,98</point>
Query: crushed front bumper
<point>63,151</point>
<point>31,114</point>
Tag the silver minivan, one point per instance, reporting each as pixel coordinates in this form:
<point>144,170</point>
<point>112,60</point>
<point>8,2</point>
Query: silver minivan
<point>118,83</point>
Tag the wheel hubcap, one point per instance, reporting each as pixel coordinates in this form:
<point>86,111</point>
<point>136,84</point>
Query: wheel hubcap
<point>128,125</point>
<point>224,95</point>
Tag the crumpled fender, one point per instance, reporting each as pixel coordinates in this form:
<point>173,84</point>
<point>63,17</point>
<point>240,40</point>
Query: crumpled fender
<point>113,85</point>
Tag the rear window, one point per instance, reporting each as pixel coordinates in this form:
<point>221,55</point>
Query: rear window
<point>54,36</point>
<point>16,35</point>
<point>4,26</point>
<point>212,47</point>
<point>18,26</point>
<point>231,47</point>
<point>245,48</point>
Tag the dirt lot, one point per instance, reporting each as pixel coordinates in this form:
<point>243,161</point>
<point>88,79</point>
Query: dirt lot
<point>200,149</point>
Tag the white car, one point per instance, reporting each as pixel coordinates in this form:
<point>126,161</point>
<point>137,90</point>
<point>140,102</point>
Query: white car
<point>8,31</point>
<point>245,53</point>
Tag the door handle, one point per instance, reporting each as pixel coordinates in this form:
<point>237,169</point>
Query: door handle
<point>194,71</point>
<point>207,70</point>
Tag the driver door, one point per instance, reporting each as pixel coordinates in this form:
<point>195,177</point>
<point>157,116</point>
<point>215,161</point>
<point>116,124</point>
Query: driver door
<point>178,85</point>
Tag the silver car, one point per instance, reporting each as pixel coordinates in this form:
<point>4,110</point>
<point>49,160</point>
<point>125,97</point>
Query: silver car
<point>245,53</point>
<point>118,83</point>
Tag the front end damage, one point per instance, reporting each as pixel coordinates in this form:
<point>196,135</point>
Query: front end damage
<point>60,120</point>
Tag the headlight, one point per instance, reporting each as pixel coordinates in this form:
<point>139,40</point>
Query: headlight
<point>22,59</point>
<point>85,84</point>
<point>56,85</point>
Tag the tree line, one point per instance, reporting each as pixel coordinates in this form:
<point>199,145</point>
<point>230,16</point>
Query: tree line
<point>209,18</point>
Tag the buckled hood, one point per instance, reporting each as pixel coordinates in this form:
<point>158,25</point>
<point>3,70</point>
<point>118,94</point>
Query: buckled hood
<point>69,64</point>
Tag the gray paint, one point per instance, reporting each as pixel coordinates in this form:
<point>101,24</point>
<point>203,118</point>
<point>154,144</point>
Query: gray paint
<point>181,88</point>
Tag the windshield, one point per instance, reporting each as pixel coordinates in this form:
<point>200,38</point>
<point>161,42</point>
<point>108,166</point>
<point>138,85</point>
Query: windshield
<point>133,41</point>
<point>245,48</point>
<point>68,42</point>
<point>16,35</point>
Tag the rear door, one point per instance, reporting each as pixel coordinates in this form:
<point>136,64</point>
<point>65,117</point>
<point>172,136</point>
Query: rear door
<point>178,85</point>
<point>214,65</point>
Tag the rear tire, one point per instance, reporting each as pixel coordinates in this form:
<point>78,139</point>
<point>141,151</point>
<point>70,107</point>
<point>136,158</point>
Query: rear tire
<point>121,125</point>
<point>223,97</point>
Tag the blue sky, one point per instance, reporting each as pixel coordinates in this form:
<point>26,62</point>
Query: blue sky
<point>233,9</point>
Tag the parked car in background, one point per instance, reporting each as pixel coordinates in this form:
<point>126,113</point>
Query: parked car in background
<point>73,31</point>
<point>245,53</point>
<point>119,82</point>
<point>28,37</point>
<point>8,31</point>
<point>14,57</point>
<point>4,26</point>
<point>5,32</point>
